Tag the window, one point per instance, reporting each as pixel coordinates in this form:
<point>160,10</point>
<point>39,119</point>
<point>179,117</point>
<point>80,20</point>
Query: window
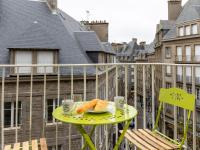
<point>168,70</point>
<point>23,58</point>
<point>194,29</point>
<point>179,73</point>
<point>197,52</point>
<point>51,105</point>
<point>10,114</point>
<point>198,93</point>
<point>168,52</point>
<point>181,31</point>
<point>179,53</point>
<point>188,53</point>
<point>188,74</point>
<point>45,57</point>
<point>197,74</point>
<point>187,30</point>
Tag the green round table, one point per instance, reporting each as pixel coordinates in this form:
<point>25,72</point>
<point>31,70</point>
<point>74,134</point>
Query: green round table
<point>113,116</point>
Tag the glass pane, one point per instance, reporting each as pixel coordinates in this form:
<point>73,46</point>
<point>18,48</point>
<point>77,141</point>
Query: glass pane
<point>7,118</point>
<point>7,105</point>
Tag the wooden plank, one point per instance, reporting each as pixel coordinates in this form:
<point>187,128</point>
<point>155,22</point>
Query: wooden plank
<point>7,147</point>
<point>174,146</point>
<point>154,139</point>
<point>148,140</point>
<point>43,144</point>
<point>25,145</point>
<point>137,144</point>
<point>16,146</point>
<point>140,140</point>
<point>34,145</point>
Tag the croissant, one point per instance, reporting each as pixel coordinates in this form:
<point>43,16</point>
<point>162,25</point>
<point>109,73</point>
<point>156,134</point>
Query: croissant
<point>88,105</point>
<point>101,105</point>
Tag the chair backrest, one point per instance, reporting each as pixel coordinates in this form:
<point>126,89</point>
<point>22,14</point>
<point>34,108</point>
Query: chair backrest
<point>176,97</point>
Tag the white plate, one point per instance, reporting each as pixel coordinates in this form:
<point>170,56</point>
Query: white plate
<point>97,112</point>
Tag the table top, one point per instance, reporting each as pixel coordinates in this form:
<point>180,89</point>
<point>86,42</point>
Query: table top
<point>113,115</point>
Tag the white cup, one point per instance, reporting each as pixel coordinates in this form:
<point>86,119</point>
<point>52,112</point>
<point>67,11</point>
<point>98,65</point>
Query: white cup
<point>67,106</point>
<point>119,102</point>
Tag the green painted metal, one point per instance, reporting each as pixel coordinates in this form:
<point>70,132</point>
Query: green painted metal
<point>112,117</point>
<point>86,137</point>
<point>177,97</point>
<point>91,133</point>
<point>180,98</point>
<point>122,135</point>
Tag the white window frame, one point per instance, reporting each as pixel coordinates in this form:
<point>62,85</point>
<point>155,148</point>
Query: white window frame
<point>53,122</point>
<point>23,70</point>
<point>188,51</point>
<point>194,29</point>
<point>188,30</point>
<point>179,53</point>
<point>45,69</point>
<point>167,52</point>
<point>197,52</point>
<point>168,70</point>
<point>12,125</point>
<point>181,31</point>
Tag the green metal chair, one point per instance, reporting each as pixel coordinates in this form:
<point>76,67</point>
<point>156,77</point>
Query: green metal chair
<point>154,140</point>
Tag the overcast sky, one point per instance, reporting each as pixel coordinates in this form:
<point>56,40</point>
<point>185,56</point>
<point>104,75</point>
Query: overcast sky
<point>127,18</point>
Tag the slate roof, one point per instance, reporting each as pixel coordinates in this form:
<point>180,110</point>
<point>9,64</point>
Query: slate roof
<point>30,24</point>
<point>191,11</point>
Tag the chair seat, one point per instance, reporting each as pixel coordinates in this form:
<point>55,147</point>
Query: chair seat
<point>145,139</point>
<point>33,145</point>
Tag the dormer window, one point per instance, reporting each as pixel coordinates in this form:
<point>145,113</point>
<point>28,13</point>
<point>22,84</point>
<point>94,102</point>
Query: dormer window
<point>187,30</point>
<point>181,31</point>
<point>194,29</point>
<point>29,57</point>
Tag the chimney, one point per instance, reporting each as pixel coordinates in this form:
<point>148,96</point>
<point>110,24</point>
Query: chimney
<point>174,9</point>
<point>134,40</point>
<point>52,5</point>
<point>143,43</point>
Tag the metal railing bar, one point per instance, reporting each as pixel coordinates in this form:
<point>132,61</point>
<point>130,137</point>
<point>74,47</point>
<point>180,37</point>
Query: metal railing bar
<point>44,103</point>
<point>144,96</point>
<point>164,86</point>
<point>2,107</point>
<point>16,110</point>
<point>97,95</point>
<point>175,108</point>
<point>31,105</point>
<point>58,103</point>
<point>153,94</point>
<point>106,127</point>
<point>194,112</point>
<point>116,94</point>
<point>135,92</point>
<point>185,88</point>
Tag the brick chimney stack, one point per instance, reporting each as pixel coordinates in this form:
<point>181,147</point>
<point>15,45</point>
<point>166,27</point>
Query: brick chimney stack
<point>52,5</point>
<point>174,9</point>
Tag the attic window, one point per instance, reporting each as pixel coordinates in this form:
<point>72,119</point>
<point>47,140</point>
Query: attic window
<point>194,29</point>
<point>181,31</point>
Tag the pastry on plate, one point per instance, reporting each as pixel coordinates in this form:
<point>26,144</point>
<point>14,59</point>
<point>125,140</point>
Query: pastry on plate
<point>87,106</point>
<point>101,106</point>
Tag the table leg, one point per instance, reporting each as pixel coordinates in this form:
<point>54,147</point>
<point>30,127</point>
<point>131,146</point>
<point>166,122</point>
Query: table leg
<point>86,137</point>
<point>122,135</point>
<point>91,133</point>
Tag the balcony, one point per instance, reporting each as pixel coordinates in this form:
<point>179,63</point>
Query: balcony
<point>27,101</point>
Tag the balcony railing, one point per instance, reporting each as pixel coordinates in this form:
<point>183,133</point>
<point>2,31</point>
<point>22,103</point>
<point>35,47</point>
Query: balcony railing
<point>27,101</point>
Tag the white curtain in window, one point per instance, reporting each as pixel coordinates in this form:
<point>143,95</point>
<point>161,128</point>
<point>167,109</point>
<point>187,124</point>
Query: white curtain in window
<point>194,29</point>
<point>21,58</point>
<point>181,31</point>
<point>179,70</point>
<point>188,71</point>
<point>187,30</point>
<point>169,69</point>
<point>197,52</point>
<point>179,51</point>
<point>188,53</point>
<point>45,57</point>
<point>197,72</point>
